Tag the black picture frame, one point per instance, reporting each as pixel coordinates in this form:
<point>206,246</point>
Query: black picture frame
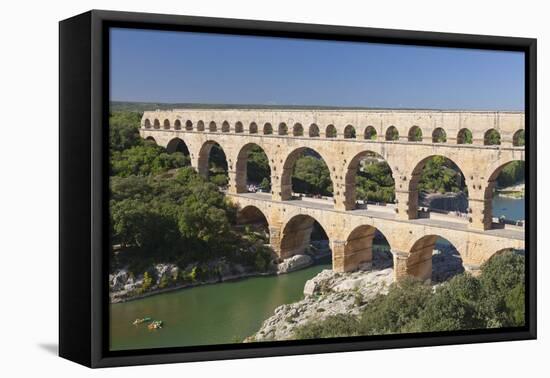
<point>83,196</point>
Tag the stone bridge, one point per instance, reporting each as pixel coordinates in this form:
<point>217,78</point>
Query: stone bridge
<point>343,138</point>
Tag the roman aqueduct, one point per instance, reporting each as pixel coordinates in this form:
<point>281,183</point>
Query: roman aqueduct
<point>343,138</point>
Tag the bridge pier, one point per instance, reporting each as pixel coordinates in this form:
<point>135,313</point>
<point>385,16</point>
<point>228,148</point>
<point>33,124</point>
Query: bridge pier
<point>480,213</point>
<point>399,265</point>
<point>406,204</point>
<point>275,235</point>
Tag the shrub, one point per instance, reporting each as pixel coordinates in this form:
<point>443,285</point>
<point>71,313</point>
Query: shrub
<point>500,276</point>
<point>333,326</point>
<point>454,305</point>
<point>391,313</point>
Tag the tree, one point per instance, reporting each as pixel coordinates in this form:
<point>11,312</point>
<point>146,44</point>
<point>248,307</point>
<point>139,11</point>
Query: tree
<point>393,312</point>
<point>311,176</point>
<point>441,175</point>
<point>374,182</point>
<point>265,185</point>
<point>124,130</point>
<point>257,168</point>
<point>454,306</point>
<point>144,160</point>
<point>500,278</point>
<point>147,281</point>
<point>511,174</point>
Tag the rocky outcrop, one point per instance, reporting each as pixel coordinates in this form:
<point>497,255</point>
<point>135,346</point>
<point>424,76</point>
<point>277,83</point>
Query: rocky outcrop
<point>293,263</point>
<point>329,293</point>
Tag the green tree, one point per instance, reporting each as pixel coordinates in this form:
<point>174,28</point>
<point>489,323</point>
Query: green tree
<point>124,130</point>
<point>257,168</point>
<point>265,185</point>
<point>374,182</point>
<point>145,160</point>
<point>147,281</point>
<point>393,312</point>
<point>453,306</point>
<point>500,279</point>
<point>511,174</point>
<point>311,175</point>
<point>441,175</point>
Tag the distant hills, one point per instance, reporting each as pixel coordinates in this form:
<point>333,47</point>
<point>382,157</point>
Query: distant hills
<point>144,106</point>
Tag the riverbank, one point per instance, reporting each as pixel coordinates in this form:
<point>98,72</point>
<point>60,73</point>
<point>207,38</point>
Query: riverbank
<point>212,314</point>
<point>330,293</point>
<point>162,278</point>
<point>515,191</point>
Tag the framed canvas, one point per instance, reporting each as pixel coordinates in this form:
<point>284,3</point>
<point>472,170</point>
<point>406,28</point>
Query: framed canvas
<point>235,188</point>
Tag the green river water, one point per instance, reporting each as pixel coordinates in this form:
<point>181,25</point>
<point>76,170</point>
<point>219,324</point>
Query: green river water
<point>210,314</point>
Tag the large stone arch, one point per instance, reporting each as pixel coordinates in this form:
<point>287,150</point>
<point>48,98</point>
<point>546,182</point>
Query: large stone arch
<point>350,176</point>
<point>204,156</point>
<point>178,145</point>
<point>490,185</point>
<point>296,234</point>
<point>415,175</point>
<point>251,214</point>
<point>241,163</point>
<point>358,248</point>
<point>285,188</point>
<point>418,261</point>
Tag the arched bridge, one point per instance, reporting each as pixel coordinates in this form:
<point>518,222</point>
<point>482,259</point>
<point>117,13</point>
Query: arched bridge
<point>406,139</point>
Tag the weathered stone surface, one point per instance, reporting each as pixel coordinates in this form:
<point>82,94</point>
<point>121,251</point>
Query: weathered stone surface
<point>293,263</point>
<point>329,293</point>
<point>284,134</point>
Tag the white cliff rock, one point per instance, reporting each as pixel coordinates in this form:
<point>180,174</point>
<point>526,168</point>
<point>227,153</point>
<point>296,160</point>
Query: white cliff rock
<point>293,263</point>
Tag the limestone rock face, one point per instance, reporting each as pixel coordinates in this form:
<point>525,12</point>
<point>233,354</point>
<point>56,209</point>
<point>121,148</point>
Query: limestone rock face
<point>329,293</point>
<point>294,263</point>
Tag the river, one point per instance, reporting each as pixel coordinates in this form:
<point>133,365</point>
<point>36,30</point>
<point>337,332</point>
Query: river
<point>210,314</point>
<point>225,312</point>
<point>511,208</point>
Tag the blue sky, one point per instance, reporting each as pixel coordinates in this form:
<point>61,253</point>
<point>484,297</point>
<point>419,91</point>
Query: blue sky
<point>160,66</point>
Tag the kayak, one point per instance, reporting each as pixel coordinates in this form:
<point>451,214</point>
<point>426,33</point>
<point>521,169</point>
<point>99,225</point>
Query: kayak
<point>142,320</point>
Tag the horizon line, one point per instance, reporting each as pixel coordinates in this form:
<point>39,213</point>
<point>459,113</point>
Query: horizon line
<point>297,107</point>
